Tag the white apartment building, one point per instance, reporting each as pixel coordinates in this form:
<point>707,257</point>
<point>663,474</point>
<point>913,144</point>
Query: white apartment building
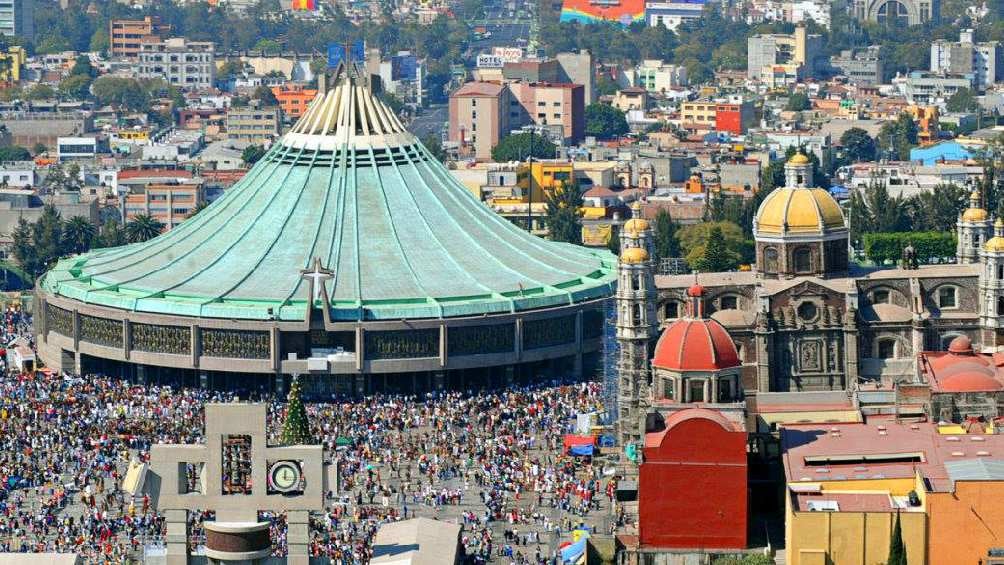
<point>966,57</point>
<point>182,63</point>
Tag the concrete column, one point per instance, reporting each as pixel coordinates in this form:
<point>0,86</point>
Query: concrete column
<point>176,539</point>
<point>442,345</point>
<point>685,385</point>
<point>298,537</point>
<point>76,330</point>
<point>195,344</point>
<point>713,382</point>
<point>707,390</point>
<point>274,353</point>
<point>126,337</point>
<point>360,348</point>
<point>519,339</point>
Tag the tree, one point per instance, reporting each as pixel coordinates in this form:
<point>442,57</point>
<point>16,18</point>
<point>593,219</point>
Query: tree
<point>696,237</point>
<point>937,209</point>
<point>899,136</point>
<point>435,146</point>
<point>516,147</point>
<point>39,148</point>
<point>252,153</point>
<point>76,86</point>
<point>268,46</point>
<point>664,236</point>
<point>40,92</point>
<point>47,237</point>
<point>563,221</point>
<point>716,256</point>
<point>14,153</point>
<point>964,100</point>
<point>23,247</point>
<point>265,95</point>
<point>120,91</point>
<point>874,210</point>
<point>797,102</point>
<point>748,559</point>
<point>111,234</point>
<point>296,427</point>
<point>858,145</point>
<point>614,241</point>
<point>78,235</point>
<point>82,66</point>
<point>143,228</point>
<point>605,121</point>
<point>897,550</point>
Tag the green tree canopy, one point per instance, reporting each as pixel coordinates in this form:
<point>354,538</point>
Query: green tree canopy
<point>797,102</point>
<point>111,234</point>
<point>964,100</point>
<point>605,121</point>
<point>516,147</point>
<point>121,92</point>
<point>563,219</point>
<point>858,145</point>
<point>664,236</point>
<point>936,209</point>
<point>82,66</point>
<point>252,153</point>
<point>78,234</point>
<point>296,426</point>
<point>76,86</point>
<point>725,254</point>
<point>143,228</point>
<point>897,550</point>
<point>14,153</point>
<point>265,95</point>
<point>899,135</point>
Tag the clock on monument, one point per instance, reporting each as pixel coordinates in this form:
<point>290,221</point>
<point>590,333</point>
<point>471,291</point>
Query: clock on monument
<point>284,476</point>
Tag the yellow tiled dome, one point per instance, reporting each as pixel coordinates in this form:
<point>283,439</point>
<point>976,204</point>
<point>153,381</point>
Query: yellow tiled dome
<point>799,159</point>
<point>635,226</point>
<point>798,210</point>
<point>974,213</point>
<point>634,255</point>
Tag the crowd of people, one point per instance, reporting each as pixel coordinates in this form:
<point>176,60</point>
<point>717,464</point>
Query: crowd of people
<point>490,461</point>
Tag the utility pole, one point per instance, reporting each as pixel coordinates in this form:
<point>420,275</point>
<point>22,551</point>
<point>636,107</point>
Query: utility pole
<point>529,192</point>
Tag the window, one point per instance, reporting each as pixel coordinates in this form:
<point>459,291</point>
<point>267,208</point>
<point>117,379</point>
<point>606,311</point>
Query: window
<point>669,388</point>
<point>803,260</point>
<point>947,297</point>
<point>880,296</point>
<point>671,310</point>
<point>728,303</point>
<point>636,314</point>
<point>1000,272</point>
<point>770,260</point>
<point>1000,305</point>
<point>807,311</point>
<point>696,389</point>
<point>886,348</point>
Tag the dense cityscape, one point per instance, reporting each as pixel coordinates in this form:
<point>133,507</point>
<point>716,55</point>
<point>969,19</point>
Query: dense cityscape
<point>632,282</point>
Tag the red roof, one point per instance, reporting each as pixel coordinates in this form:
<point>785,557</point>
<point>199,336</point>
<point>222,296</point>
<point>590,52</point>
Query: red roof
<point>695,345</point>
<point>970,381</point>
<point>154,173</point>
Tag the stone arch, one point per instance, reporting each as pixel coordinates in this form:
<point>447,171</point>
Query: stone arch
<point>903,10</point>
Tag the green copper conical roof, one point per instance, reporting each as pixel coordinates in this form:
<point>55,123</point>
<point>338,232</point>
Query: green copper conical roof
<point>352,196</point>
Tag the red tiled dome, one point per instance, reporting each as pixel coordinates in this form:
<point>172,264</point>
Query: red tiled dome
<point>695,345</point>
<point>970,381</point>
<point>695,291</point>
<point>961,345</point>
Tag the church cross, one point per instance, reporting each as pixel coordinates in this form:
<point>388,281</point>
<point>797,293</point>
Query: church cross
<point>317,276</point>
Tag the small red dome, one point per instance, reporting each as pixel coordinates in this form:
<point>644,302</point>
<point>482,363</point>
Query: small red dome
<point>695,345</point>
<point>970,381</point>
<point>695,291</point>
<point>961,345</point>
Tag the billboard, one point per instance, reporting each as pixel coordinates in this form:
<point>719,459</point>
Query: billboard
<point>508,54</point>
<point>486,61</point>
<point>304,5</point>
<point>624,12</point>
<point>336,51</point>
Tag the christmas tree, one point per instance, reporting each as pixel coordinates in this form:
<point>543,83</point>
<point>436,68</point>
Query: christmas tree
<point>296,428</point>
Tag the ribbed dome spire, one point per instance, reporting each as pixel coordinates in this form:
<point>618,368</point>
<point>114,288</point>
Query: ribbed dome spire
<point>347,115</point>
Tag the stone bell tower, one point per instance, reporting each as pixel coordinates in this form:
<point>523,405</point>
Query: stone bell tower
<point>636,326</point>
<point>992,287</point>
<point>973,230</point>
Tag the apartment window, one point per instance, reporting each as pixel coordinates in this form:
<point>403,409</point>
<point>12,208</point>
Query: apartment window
<point>556,104</point>
<point>541,104</point>
<point>557,116</point>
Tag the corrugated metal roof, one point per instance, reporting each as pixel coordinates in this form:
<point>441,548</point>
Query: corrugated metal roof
<point>978,469</point>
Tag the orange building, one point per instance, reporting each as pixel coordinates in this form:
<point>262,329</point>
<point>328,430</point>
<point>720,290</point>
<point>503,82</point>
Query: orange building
<point>294,98</point>
<point>126,36</point>
<point>170,203</point>
<point>967,522</point>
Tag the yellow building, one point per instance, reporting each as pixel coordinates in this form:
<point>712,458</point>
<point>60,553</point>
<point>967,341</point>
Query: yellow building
<point>13,60</point>
<point>547,175</point>
<point>698,113</point>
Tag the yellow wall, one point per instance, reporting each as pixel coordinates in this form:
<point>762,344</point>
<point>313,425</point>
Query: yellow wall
<point>895,487</point>
<point>17,57</point>
<point>546,176</point>
<point>852,538</point>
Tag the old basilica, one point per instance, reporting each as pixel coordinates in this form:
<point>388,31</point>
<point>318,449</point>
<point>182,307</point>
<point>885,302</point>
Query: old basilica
<point>805,318</point>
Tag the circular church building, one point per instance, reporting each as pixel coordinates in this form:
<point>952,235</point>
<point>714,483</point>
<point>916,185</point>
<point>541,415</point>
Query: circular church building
<point>347,252</point>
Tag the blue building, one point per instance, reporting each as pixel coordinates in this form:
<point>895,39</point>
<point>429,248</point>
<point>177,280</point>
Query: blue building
<point>945,151</point>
